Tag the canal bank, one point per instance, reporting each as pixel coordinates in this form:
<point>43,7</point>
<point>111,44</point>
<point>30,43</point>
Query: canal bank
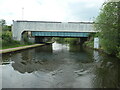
<point>90,45</point>
<point>19,48</point>
<point>15,49</point>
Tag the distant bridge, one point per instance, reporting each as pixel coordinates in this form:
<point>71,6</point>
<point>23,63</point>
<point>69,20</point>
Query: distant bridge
<point>52,29</point>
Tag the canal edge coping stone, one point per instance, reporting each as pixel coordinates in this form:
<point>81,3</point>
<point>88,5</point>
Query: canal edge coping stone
<point>19,48</point>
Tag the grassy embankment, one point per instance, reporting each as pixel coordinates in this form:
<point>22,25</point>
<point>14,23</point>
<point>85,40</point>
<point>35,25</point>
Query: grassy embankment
<point>90,44</point>
<point>6,41</point>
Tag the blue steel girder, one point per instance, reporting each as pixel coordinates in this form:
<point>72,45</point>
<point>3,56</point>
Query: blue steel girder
<point>60,34</point>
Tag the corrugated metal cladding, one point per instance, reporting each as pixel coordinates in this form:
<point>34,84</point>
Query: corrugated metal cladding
<point>61,34</point>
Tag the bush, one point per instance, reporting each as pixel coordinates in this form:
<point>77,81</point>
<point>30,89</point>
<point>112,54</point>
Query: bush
<point>108,25</point>
<point>7,41</point>
<point>7,36</point>
<point>72,40</point>
<point>89,44</point>
<point>118,55</point>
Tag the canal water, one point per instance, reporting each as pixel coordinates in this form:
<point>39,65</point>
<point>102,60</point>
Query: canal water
<point>60,66</point>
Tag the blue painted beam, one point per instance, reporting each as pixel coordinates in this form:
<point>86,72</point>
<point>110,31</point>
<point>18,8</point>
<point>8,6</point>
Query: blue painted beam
<point>61,34</point>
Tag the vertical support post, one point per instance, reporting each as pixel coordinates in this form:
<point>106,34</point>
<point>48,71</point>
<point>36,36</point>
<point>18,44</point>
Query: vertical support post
<point>96,43</point>
<point>22,13</point>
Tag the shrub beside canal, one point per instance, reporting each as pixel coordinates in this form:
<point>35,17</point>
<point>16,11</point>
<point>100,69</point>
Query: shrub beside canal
<point>7,41</point>
<point>108,24</point>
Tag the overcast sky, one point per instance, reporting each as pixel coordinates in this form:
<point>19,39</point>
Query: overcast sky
<point>49,10</point>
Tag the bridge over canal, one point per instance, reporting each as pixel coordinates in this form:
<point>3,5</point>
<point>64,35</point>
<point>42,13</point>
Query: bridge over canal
<point>52,29</point>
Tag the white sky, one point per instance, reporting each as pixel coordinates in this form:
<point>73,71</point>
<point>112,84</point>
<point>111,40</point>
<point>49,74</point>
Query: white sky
<point>50,10</point>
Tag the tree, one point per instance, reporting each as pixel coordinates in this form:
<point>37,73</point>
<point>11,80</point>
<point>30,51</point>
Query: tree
<point>2,22</point>
<point>119,28</point>
<point>7,36</point>
<point>107,24</point>
<point>3,25</point>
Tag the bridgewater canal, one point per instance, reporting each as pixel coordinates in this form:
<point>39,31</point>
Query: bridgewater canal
<point>60,66</point>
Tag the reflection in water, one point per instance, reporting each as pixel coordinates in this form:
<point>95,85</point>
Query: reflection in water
<point>96,56</point>
<point>107,72</point>
<point>32,61</point>
<point>60,66</point>
<point>60,47</point>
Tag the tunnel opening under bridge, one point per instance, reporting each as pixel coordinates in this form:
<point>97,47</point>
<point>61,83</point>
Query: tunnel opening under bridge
<point>42,37</point>
<point>70,40</point>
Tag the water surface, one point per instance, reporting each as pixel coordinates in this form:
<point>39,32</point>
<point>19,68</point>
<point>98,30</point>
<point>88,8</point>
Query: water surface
<point>60,66</point>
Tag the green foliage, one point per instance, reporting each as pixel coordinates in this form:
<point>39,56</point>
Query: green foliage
<point>60,40</point>
<point>72,40</point>
<point>2,22</point>
<point>6,28</point>
<point>7,36</point>
<point>67,40</point>
<point>107,24</point>
<point>118,55</point>
<point>89,44</point>
<point>3,25</point>
<point>7,40</point>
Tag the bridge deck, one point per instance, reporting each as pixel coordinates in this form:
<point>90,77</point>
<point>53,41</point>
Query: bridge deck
<point>60,34</point>
<point>45,28</point>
